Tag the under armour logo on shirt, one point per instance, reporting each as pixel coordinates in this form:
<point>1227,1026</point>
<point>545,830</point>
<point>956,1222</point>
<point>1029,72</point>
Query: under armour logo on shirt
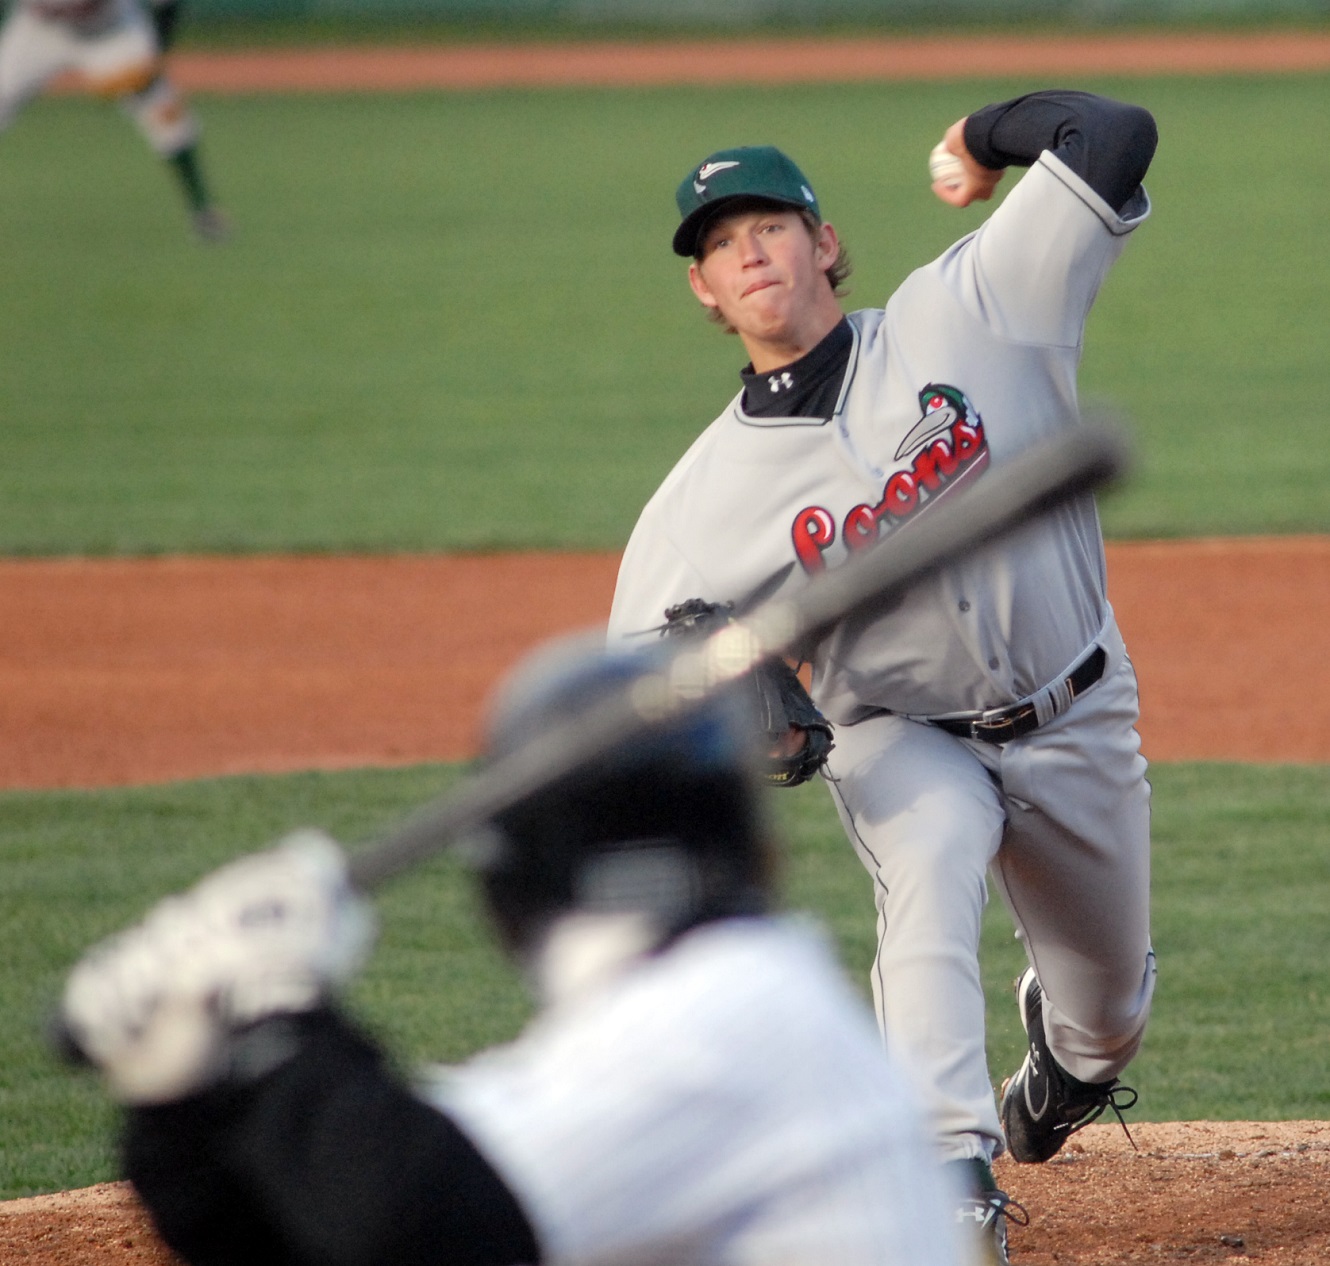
<point>783,379</point>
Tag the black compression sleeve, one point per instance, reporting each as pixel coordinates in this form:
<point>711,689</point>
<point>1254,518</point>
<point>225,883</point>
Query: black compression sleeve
<point>327,1159</point>
<point>1109,144</point>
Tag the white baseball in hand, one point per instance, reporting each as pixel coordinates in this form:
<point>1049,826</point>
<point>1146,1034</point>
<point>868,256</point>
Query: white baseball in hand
<point>945,167</point>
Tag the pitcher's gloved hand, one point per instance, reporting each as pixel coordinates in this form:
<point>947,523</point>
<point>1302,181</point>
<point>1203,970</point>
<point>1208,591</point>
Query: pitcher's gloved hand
<point>797,737</point>
<point>157,1007</point>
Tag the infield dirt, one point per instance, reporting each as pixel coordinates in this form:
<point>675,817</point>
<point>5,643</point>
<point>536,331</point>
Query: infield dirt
<point>131,671</point>
<point>125,671</point>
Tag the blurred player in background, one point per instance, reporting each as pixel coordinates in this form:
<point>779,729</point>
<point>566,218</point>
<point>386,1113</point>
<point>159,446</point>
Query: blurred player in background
<point>700,1085</point>
<point>115,47</point>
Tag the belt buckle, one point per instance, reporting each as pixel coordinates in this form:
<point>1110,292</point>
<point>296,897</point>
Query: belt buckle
<point>1006,724</point>
<point>990,719</point>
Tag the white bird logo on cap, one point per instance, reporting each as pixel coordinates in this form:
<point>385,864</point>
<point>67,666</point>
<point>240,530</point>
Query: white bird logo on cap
<point>707,170</point>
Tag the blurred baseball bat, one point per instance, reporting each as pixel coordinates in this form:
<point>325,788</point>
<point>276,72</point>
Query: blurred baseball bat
<point>1006,497</point>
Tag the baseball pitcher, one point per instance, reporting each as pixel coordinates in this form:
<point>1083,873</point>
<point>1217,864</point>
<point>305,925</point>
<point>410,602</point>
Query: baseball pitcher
<point>984,723</point>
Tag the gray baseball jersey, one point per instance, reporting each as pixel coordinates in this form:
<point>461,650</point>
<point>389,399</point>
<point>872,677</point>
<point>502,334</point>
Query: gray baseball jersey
<point>724,1102</point>
<point>973,359</point>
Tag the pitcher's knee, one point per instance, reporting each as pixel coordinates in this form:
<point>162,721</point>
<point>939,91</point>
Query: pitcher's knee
<point>1103,1026</point>
<point>929,886</point>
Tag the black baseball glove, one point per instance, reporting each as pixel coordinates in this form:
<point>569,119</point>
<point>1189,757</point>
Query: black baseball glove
<point>797,735</point>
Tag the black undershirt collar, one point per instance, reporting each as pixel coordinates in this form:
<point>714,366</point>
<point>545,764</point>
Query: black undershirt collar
<point>806,388</point>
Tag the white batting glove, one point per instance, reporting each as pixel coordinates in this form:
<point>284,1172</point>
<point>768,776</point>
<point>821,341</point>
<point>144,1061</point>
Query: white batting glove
<point>273,932</point>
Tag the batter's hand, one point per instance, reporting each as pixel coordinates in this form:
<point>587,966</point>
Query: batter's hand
<point>155,1007</point>
<point>973,182</point>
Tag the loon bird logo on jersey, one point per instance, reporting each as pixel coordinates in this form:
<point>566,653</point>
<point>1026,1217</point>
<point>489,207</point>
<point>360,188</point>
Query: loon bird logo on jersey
<point>949,448</point>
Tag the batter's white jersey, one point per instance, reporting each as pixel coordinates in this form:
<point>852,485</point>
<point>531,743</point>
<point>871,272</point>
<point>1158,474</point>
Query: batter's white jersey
<point>725,1102</point>
<point>973,360</point>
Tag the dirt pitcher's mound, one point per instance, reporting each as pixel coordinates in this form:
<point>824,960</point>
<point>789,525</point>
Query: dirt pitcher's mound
<point>1193,1192</point>
<point>1202,1192</point>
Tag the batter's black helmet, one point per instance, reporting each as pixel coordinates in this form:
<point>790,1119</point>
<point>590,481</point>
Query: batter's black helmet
<point>668,825</point>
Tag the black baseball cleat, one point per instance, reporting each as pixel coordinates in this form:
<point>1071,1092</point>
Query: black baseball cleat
<point>1042,1103</point>
<point>983,1213</point>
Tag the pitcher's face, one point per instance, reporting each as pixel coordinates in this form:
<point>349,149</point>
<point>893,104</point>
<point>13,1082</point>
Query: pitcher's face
<point>765,272</point>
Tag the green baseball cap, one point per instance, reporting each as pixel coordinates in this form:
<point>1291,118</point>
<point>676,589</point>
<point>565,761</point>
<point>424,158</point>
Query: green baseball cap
<point>751,171</point>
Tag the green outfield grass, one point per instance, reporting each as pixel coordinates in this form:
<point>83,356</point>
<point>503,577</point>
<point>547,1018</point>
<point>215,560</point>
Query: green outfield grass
<point>1242,927</point>
<point>453,321</point>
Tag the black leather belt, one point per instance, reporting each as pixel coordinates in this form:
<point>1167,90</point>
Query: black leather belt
<point>1001,725</point>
